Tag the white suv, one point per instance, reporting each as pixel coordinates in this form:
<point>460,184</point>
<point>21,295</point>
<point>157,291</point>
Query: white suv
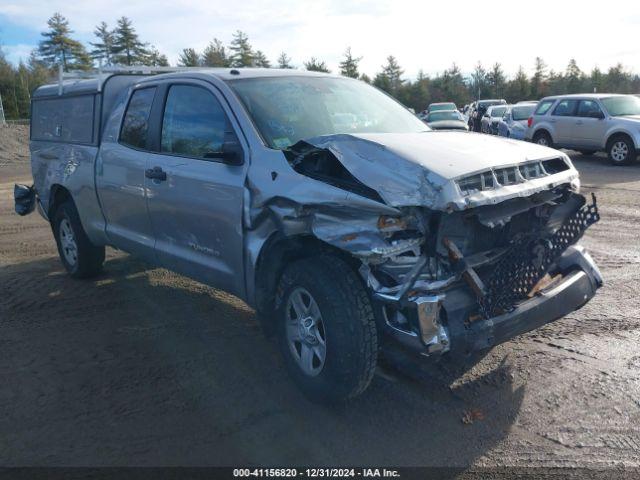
<point>589,123</point>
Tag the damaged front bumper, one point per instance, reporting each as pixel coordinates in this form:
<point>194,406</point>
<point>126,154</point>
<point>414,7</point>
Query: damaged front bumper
<point>451,332</point>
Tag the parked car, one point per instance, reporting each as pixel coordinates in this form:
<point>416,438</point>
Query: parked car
<point>346,237</point>
<point>436,107</point>
<point>478,111</point>
<point>446,120</point>
<point>513,123</point>
<point>589,123</point>
<point>489,121</point>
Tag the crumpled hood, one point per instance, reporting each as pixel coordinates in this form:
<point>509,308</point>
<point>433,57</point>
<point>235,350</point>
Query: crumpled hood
<point>421,168</point>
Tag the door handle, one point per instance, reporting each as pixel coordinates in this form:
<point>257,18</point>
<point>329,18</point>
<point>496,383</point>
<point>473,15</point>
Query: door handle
<point>156,173</point>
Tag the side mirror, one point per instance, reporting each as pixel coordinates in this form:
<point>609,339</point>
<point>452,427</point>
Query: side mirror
<point>231,152</point>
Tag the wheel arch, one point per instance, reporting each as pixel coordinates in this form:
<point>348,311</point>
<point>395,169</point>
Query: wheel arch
<point>57,195</point>
<point>542,129</point>
<point>618,134</point>
<point>276,253</point>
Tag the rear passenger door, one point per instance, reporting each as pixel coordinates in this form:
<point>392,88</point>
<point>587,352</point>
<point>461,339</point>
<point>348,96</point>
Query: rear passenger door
<point>194,196</point>
<point>591,125</point>
<point>120,180</point>
<point>564,119</point>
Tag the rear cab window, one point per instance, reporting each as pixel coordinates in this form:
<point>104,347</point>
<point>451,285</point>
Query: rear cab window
<point>544,107</point>
<point>135,126</point>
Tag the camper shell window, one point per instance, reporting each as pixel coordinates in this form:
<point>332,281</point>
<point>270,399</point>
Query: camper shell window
<point>69,119</point>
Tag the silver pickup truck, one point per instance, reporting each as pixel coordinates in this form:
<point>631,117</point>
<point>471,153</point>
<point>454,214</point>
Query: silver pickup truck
<point>348,225</point>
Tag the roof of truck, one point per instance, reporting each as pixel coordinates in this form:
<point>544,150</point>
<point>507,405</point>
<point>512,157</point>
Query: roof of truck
<point>77,86</point>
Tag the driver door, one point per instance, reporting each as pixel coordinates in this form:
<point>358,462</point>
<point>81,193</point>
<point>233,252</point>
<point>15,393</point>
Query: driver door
<point>195,193</point>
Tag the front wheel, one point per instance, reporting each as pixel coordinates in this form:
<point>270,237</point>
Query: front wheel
<point>79,256</point>
<point>621,151</point>
<point>326,329</point>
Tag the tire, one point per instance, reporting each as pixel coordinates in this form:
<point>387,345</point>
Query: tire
<point>543,138</point>
<point>587,152</point>
<point>335,320</point>
<point>621,150</point>
<point>79,256</point>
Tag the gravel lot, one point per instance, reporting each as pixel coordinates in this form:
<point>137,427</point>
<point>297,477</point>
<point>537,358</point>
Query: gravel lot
<point>144,367</point>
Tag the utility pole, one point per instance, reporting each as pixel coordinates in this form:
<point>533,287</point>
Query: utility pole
<point>2,119</point>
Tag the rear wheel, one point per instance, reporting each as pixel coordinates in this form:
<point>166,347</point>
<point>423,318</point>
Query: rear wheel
<point>326,329</point>
<point>621,150</point>
<point>543,138</point>
<point>79,256</point>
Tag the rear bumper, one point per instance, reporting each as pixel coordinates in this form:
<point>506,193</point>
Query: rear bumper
<point>581,279</point>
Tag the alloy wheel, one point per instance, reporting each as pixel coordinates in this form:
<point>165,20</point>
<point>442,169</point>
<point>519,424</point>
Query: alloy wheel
<point>305,332</point>
<point>68,242</point>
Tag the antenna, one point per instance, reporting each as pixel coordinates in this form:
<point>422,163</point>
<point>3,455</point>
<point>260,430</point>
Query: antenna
<point>2,119</point>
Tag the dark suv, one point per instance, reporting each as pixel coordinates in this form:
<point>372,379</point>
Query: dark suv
<point>475,117</point>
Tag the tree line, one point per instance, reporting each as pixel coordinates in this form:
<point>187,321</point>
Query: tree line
<point>122,46</point>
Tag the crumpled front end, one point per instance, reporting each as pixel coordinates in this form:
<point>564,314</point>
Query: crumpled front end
<point>453,262</point>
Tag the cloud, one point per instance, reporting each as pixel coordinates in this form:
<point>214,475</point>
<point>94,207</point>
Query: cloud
<point>422,35</point>
<point>15,53</point>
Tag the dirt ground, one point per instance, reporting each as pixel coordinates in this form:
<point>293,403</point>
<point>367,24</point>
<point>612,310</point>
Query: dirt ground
<point>144,367</point>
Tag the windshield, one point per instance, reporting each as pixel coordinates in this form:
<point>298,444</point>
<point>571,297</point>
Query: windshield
<point>288,109</point>
<point>443,116</point>
<point>619,106</point>
<point>442,106</point>
<point>522,113</point>
<point>498,111</point>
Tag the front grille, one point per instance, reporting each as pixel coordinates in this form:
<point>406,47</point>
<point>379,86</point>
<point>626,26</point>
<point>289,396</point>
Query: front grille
<point>528,259</point>
<point>494,178</point>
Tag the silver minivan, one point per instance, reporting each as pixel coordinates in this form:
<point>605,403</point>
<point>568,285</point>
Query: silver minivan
<point>589,123</point>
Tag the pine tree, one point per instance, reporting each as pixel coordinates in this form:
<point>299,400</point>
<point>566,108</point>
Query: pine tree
<point>215,55</point>
<point>284,61</point>
<point>349,66</point>
<point>58,48</point>
<point>479,81</point>
<point>241,52</point>
<point>156,59</point>
<point>102,49</point>
<point>315,65</point>
<point>189,58</point>
<point>538,81</point>
<point>127,47</point>
<point>261,60</point>
<point>390,79</point>
<point>496,80</point>
<point>518,88</point>
<point>573,77</point>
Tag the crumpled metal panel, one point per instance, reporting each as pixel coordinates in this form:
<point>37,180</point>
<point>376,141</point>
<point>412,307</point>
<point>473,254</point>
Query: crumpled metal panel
<point>405,179</point>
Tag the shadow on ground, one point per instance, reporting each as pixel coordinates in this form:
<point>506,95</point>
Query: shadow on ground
<point>143,367</point>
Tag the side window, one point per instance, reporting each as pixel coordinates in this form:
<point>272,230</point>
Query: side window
<point>136,119</point>
<point>566,108</point>
<point>544,107</point>
<point>589,108</point>
<point>193,124</point>
<point>67,119</point>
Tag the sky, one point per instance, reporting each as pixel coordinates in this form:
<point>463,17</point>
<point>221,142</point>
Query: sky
<point>421,34</point>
